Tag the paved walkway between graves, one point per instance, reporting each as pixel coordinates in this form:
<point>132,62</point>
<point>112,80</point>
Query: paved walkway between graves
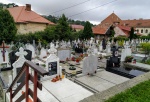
<point>101,81</point>
<point>138,65</point>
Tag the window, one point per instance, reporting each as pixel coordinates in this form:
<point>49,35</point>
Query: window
<point>141,30</point>
<point>137,30</point>
<point>146,31</point>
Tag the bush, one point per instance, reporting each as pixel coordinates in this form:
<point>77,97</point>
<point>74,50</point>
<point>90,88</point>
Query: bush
<point>145,47</point>
<point>119,38</point>
<point>147,62</point>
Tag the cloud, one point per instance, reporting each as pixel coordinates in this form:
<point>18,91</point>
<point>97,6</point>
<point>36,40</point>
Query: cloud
<point>125,9</point>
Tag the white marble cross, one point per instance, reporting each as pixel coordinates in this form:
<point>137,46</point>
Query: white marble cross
<point>21,53</point>
<point>52,50</point>
<point>57,44</point>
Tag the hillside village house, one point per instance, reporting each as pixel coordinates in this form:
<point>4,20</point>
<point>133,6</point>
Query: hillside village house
<point>27,20</point>
<point>121,27</point>
<point>77,27</point>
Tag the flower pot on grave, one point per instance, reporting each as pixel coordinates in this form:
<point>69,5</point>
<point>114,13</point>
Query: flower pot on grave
<point>73,59</point>
<point>72,68</point>
<point>128,59</point>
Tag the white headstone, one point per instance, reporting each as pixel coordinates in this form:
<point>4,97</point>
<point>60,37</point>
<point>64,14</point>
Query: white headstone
<point>125,52</point>
<point>57,44</point>
<point>108,48</point>
<point>43,53</point>
<point>90,64</point>
<point>52,66</point>
<point>63,54</point>
<point>63,44</point>
<point>68,44</point>
<point>31,48</point>
<point>20,60</point>
<point>100,47</point>
<point>52,50</point>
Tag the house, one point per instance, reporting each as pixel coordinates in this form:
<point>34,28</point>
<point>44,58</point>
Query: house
<point>121,27</point>
<point>142,26</point>
<point>27,20</point>
<point>77,27</point>
<point>105,27</point>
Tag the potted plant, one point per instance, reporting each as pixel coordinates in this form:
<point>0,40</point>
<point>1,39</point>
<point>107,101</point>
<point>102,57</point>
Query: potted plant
<point>128,59</point>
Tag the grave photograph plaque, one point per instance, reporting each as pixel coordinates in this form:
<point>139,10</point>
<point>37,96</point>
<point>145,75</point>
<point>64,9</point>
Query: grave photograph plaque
<point>52,67</point>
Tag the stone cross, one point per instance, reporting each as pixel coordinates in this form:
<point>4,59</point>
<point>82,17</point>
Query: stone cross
<point>52,50</point>
<point>3,51</point>
<point>57,44</point>
<point>21,53</point>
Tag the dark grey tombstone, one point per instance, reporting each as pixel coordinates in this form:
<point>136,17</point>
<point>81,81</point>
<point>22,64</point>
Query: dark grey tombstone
<point>114,49</point>
<point>13,57</point>
<point>29,54</point>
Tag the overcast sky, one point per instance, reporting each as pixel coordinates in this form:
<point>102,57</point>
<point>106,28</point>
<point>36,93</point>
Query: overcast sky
<point>96,10</point>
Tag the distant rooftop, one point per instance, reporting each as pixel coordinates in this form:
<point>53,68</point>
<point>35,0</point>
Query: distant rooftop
<point>24,14</point>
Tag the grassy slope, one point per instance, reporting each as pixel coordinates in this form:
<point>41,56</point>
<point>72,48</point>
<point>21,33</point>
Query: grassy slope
<point>138,93</point>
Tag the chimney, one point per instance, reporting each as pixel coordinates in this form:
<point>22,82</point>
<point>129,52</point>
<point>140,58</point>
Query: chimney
<point>28,7</point>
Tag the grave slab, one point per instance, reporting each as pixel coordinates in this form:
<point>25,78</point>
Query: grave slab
<point>102,80</point>
<point>116,79</point>
<point>60,91</point>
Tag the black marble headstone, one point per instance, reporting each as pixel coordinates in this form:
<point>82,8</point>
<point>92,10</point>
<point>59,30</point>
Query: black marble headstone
<point>13,57</point>
<point>114,49</point>
<point>113,60</point>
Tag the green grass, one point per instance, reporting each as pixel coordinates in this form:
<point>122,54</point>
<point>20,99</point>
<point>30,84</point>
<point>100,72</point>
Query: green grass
<point>138,93</point>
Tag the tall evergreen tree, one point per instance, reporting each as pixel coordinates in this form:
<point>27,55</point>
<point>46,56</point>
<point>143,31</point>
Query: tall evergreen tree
<point>131,33</point>
<point>8,29</point>
<point>63,29</point>
<point>87,32</point>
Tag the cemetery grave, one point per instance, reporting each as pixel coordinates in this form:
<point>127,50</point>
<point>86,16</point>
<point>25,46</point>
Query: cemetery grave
<point>95,70</point>
<point>127,69</point>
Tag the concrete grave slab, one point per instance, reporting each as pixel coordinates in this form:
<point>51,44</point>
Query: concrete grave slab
<point>102,80</point>
<point>60,91</point>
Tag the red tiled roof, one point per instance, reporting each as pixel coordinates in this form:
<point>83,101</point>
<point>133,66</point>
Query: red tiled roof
<point>99,30</point>
<point>21,15</point>
<point>123,24</point>
<point>74,26</point>
<point>137,23</point>
<point>124,28</point>
<point>111,19</point>
<point>106,23</point>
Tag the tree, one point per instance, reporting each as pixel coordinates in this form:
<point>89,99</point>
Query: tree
<point>50,34</point>
<point>131,33</point>
<point>8,29</point>
<point>87,32</point>
<point>62,28</point>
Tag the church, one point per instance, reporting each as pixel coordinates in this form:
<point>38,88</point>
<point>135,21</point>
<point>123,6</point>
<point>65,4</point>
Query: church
<point>121,27</point>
